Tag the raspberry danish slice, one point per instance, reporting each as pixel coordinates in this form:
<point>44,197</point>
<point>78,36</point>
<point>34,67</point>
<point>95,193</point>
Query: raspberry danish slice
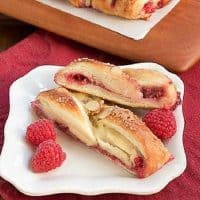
<point>131,87</point>
<point>115,132</point>
<point>137,9</point>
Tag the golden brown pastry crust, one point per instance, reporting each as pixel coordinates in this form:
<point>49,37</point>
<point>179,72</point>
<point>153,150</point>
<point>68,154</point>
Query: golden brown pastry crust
<point>132,139</point>
<point>151,148</point>
<point>54,104</point>
<point>149,79</point>
<point>132,87</point>
<point>130,9</point>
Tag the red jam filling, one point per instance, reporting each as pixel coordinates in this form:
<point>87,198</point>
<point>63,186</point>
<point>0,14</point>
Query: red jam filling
<point>35,105</point>
<point>117,160</point>
<point>78,78</point>
<point>153,93</point>
<point>160,4</point>
<point>149,7</point>
<point>178,101</point>
<point>139,162</point>
<point>83,80</point>
<point>139,166</point>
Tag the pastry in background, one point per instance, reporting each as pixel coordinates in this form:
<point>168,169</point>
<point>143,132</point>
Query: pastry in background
<point>137,9</point>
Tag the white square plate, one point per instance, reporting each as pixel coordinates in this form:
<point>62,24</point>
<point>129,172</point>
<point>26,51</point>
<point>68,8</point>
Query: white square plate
<point>84,171</point>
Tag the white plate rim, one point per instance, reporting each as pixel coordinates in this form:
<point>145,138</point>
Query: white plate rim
<point>90,191</point>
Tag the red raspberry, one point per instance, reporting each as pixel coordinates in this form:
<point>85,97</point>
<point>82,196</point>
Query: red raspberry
<point>48,156</point>
<point>161,122</point>
<point>40,131</point>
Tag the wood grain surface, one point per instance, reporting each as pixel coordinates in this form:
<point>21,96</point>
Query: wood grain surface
<point>174,42</point>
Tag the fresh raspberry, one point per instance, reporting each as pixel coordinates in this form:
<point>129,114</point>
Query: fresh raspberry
<point>161,122</point>
<point>40,131</point>
<point>48,156</point>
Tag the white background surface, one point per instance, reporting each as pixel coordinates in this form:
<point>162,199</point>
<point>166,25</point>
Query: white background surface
<point>84,171</point>
<point>136,29</point>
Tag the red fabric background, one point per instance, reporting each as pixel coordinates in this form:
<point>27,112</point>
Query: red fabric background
<point>45,48</point>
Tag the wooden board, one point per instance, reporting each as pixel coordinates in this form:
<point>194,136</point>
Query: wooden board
<point>174,42</point>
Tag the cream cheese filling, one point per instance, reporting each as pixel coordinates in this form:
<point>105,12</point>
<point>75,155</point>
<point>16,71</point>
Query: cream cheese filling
<point>115,143</point>
<point>108,138</point>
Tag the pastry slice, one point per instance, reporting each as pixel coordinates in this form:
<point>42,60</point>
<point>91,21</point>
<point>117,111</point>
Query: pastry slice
<point>131,87</point>
<point>125,138</point>
<point>115,132</point>
<point>160,3</point>
<point>137,9</point>
<point>60,106</point>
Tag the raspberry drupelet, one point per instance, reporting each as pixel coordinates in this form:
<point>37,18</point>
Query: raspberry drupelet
<point>161,122</point>
<point>48,156</point>
<point>40,131</point>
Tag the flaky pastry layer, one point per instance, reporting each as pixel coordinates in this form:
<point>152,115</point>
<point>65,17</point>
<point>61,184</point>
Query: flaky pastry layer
<point>131,87</point>
<point>115,132</point>
<point>130,9</point>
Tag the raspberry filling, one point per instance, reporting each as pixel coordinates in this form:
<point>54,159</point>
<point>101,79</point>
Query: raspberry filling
<point>161,3</point>
<point>139,166</point>
<point>149,7</point>
<point>78,78</point>
<point>36,108</point>
<point>139,162</point>
<point>81,79</point>
<point>178,101</point>
<point>152,92</point>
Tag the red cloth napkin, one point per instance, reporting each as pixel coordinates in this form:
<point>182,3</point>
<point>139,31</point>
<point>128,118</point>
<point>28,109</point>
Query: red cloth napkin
<point>45,48</point>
